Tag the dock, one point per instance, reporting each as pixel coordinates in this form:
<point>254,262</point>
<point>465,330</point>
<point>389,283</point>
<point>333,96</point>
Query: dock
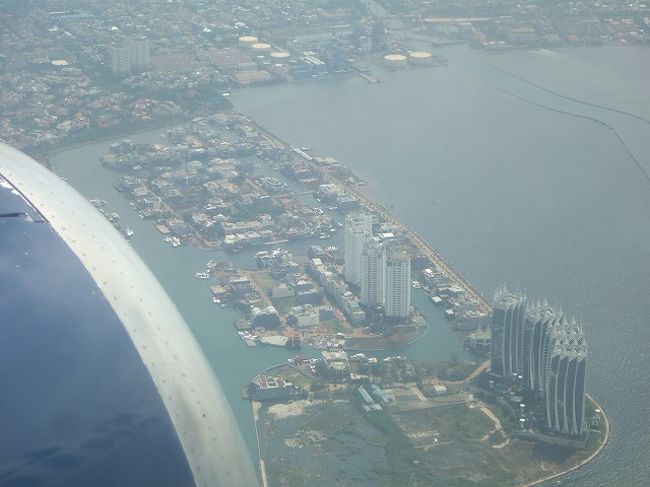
<point>369,79</point>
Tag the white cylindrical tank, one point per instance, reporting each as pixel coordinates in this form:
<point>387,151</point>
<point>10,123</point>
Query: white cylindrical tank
<point>247,41</point>
<point>420,57</point>
<point>280,56</point>
<point>261,48</point>
<point>395,60</point>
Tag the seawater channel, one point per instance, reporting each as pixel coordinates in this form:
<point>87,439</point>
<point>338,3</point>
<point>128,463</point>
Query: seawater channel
<point>511,182</point>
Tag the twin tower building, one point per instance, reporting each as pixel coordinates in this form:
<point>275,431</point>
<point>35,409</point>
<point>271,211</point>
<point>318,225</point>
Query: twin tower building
<point>536,345</point>
<point>380,267</point>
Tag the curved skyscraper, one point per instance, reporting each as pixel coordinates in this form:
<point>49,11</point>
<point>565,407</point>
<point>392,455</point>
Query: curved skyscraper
<point>565,378</point>
<point>537,343</point>
<point>507,333</point>
<point>539,318</point>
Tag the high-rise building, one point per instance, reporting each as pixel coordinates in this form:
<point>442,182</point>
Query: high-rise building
<point>358,229</point>
<point>120,59</point>
<point>507,333</point>
<point>549,352</point>
<point>132,55</point>
<point>397,284</point>
<point>565,379</point>
<point>373,268</point>
<point>139,53</point>
<point>539,319</point>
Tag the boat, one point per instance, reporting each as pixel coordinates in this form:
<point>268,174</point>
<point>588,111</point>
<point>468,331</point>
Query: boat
<point>98,203</point>
<point>129,233</point>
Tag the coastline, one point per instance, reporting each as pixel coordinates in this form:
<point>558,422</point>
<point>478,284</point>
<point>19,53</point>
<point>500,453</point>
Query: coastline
<point>256,406</point>
<point>46,155</point>
<point>415,238</point>
<point>422,244</point>
<point>587,460</point>
<point>352,349</point>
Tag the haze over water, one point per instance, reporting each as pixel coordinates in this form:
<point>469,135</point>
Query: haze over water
<point>512,192</point>
<point>506,190</point>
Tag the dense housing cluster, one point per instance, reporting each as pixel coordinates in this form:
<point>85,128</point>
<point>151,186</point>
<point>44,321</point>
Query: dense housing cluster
<point>516,24</point>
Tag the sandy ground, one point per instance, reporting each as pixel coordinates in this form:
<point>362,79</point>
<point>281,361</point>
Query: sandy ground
<point>295,408</point>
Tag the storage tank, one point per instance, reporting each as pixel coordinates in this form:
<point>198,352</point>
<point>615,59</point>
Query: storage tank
<point>280,56</point>
<point>261,48</point>
<point>420,57</point>
<point>247,41</point>
<point>395,60</point>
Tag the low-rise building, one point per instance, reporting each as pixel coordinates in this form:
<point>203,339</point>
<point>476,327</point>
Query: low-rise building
<point>266,388</point>
<point>265,317</point>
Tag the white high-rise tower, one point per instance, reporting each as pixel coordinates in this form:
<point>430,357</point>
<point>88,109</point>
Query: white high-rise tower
<point>397,286</point>
<point>373,267</point>
<point>139,52</point>
<point>358,229</point>
<point>120,61</point>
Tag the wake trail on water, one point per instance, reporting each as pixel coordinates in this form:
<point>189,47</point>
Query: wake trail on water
<point>558,94</point>
<point>585,117</point>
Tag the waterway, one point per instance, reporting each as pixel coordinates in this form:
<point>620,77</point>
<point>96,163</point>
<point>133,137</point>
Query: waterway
<point>507,190</point>
<point>511,191</point>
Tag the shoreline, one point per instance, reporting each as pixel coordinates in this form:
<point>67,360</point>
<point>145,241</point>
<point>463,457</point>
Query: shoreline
<point>418,242</point>
<point>411,234</point>
<point>412,342</point>
<point>47,155</point>
<point>480,368</point>
<point>587,460</point>
<point>181,373</point>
